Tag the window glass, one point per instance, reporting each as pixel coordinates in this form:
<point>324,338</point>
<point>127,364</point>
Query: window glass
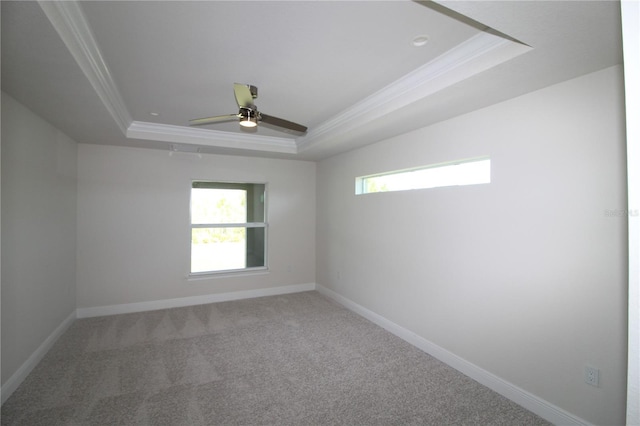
<point>218,205</point>
<point>461,172</point>
<point>228,227</point>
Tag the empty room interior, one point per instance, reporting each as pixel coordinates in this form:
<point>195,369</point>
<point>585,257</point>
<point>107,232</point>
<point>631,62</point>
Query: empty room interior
<point>437,225</point>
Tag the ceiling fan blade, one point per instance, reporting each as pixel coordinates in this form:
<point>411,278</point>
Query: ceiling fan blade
<point>209,120</point>
<point>245,94</point>
<point>279,122</point>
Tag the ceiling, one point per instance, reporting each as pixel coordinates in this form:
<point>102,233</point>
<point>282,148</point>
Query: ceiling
<point>133,73</point>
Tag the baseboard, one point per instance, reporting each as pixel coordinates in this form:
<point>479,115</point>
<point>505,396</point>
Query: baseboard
<point>21,373</point>
<point>153,305</point>
<point>539,406</point>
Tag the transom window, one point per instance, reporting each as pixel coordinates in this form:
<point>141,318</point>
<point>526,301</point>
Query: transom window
<point>228,227</point>
<point>460,172</point>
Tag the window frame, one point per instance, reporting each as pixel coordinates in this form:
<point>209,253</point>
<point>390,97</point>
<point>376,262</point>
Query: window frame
<point>264,224</point>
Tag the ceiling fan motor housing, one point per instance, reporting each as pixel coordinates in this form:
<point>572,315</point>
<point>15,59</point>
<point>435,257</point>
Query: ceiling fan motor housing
<point>253,90</point>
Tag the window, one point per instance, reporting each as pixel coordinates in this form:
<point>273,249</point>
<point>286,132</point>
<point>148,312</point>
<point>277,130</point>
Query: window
<point>460,172</point>
<point>228,227</point>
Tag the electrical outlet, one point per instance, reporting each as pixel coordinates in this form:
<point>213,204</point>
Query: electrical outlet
<point>591,375</point>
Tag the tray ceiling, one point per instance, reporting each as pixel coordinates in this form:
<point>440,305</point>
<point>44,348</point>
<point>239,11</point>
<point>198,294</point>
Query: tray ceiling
<point>134,73</point>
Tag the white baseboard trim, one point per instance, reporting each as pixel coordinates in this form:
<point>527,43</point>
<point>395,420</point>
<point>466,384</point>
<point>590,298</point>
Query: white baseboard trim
<point>539,406</point>
<point>153,305</point>
<point>21,373</point>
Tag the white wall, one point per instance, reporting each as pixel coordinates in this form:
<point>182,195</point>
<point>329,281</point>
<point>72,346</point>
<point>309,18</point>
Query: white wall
<point>631,42</point>
<point>38,233</point>
<point>133,223</point>
<point>524,277</point>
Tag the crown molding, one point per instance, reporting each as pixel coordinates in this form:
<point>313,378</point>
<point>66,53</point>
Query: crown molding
<point>69,21</point>
<point>469,58</point>
<point>209,138</point>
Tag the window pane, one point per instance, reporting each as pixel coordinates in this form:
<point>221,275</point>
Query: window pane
<point>218,205</point>
<point>255,247</point>
<point>255,202</point>
<point>218,249</point>
<point>462,173</point>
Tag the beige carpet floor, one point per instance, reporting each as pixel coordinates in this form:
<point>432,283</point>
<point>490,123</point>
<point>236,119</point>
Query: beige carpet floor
<point>296,359</point>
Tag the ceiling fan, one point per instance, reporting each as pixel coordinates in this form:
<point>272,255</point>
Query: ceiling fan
<point>249,115</point>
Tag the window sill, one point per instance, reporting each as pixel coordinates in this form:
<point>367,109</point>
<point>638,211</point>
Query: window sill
<point>197,276</point>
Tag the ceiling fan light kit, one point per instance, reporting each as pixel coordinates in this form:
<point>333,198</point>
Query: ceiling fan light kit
<point>249,115</point>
